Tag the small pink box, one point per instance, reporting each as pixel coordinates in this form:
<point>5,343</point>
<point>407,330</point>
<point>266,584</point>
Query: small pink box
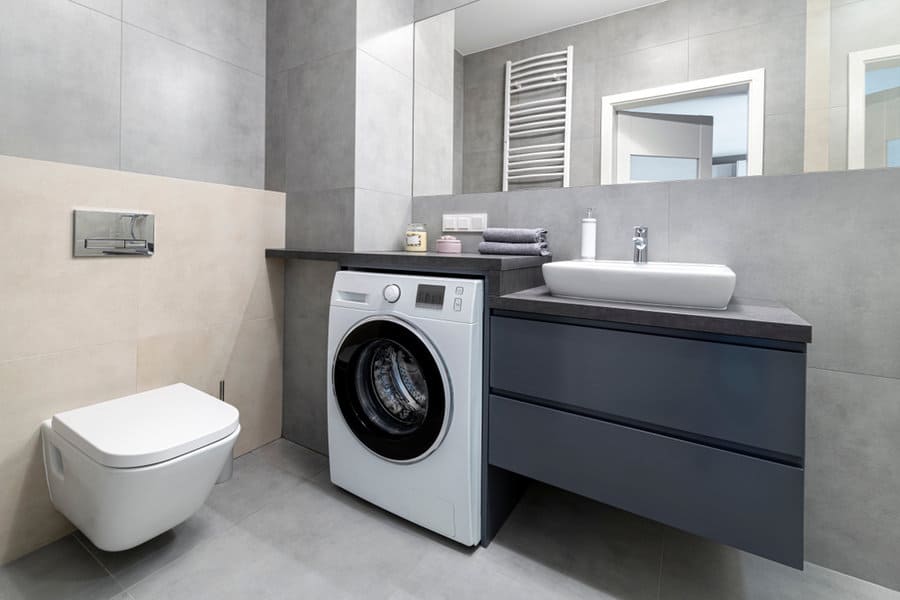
<point>447,244</point>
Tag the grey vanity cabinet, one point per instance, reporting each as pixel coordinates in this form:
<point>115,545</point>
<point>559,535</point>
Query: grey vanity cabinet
<point>704,433</point>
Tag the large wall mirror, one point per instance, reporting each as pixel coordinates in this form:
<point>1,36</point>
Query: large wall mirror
<point>516,94</point>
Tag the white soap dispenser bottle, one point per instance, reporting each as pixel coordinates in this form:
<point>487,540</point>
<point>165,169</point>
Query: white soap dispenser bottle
<point>589,236</point>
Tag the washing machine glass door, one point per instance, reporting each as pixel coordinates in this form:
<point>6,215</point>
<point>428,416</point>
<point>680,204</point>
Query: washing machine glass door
<point>392,389</point>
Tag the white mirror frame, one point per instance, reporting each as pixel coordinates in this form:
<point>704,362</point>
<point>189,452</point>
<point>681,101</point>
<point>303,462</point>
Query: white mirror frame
<point>756,96</point>
<point>856,100</point>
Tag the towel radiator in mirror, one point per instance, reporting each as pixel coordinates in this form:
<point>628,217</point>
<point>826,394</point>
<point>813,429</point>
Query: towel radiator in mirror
<point>537,121</point>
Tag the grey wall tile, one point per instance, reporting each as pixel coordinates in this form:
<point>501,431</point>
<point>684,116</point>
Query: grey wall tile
<point>783,143</point>
<point>852,474</point>
<point>320,220</point>
<point>650,67</point>
<point>428,8</point>
<point>321,124</point>
<point>233,30</point>
<point>585,162</point>
<point>303,31</point>
<point>459,91</point>
<point>792,239</point>
<point>384,122</point>
<point>483,117</point>
<point>59,72</point>
<point>308,293</point>
<point>837,138</point>
<point>554,209</point>
<point>585,101</point>
<point>482,171</point>
<point>713,16</point>
<point>380,220</point>
<point>433,146</point>
<point>429,210</point>
<point>778,46</point>
<point>113,8</point>
<point>276,133</point>
<point>654,25</point>
<point>435,54</point>
<point>384,29</point>
<point>620,209</point>
<point>188,115</point>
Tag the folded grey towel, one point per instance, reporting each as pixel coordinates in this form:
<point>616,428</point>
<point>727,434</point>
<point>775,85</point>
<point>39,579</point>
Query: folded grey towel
<point>534,249</point>
<point>515,236</point>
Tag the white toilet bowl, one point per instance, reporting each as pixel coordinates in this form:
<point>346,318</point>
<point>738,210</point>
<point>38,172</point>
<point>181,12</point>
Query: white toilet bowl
<point>126,470</point>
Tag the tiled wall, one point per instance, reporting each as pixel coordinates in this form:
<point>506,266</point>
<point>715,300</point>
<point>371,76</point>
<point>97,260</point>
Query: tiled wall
<point>845,26</point>
<point>161,87</point>
<point>206,307</point>
<point>434,98</point>
<point>428,8</point>
<point>340,127</point>
<point>820,243</point>
<point>665,43</point>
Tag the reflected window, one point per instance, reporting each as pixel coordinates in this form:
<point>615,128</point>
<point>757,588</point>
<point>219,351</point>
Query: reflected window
<point>698,129</point>
<point>662,168</point>
<point>882,114</point>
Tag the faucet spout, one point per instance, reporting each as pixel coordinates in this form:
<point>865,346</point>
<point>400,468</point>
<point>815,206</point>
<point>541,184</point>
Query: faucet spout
<point>640,244</point>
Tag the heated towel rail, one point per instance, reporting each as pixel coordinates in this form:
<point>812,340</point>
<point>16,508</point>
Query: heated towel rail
<point>537,120</point>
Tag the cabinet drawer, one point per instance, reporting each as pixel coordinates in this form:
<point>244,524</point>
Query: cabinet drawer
<point>744,395</point>
<point>750,503</point>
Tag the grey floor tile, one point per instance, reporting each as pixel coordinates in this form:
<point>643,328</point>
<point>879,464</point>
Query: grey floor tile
<point>355,548</point>
<point>254,483</point>
<point>295,535</point>
<point>698,569</point>
<point>236,566</point>
<point>293,458</point>
<point>131,566</point>
<point>63,570</point>
<point>579,547</point>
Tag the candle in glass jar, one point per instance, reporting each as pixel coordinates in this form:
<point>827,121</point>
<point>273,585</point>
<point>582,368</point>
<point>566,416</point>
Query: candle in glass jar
<point>416,238</point>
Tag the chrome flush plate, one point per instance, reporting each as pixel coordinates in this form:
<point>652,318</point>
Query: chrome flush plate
<point>113,233</point>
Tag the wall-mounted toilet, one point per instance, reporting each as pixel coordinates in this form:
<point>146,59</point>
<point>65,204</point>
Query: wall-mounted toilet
<point>126,470</point>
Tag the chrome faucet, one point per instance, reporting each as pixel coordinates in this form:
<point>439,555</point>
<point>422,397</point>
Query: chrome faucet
<point>640,244</point>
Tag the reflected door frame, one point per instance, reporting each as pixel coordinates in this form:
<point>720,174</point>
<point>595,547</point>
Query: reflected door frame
<point>754,81</point>
<point>856,99</point>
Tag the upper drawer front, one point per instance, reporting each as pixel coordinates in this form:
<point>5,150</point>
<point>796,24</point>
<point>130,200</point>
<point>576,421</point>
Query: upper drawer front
<point>740,394</point>
<point>746,502</point>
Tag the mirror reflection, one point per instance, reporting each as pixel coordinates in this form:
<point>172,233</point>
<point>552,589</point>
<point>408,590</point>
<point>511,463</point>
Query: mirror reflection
<point>588,92</point>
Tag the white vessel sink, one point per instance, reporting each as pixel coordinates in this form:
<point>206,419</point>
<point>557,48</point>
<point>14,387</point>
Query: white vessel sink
<point>667,284</point>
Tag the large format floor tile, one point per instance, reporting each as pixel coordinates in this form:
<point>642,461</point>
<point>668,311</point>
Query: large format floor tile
<point>280,530</point>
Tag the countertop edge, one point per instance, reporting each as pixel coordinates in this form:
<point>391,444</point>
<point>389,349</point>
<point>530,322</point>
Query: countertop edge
<point>796,330</point>
<point>470,262</point>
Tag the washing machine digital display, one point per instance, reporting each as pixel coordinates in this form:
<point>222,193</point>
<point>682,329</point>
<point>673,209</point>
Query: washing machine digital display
<point>430,296</point>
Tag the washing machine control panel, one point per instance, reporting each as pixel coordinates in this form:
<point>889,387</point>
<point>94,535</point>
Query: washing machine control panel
<point>432,297</point>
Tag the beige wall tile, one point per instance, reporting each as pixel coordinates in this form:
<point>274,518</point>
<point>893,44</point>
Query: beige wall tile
<point>76,332</point>
<point>33,389</point>
<point>253,382</point>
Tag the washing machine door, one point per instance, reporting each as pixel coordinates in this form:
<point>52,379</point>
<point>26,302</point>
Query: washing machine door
<point>392,389</point>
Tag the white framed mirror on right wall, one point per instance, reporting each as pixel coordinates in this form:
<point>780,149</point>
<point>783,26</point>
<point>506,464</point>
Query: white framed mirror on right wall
<point>873,115</point>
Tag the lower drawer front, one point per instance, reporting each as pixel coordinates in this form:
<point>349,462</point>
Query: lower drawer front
<point>746,502</point>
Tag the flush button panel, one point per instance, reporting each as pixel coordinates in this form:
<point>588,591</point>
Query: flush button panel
<point>108,233</point>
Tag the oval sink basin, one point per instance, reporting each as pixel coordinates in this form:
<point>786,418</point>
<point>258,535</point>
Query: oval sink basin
<point>666,284</point>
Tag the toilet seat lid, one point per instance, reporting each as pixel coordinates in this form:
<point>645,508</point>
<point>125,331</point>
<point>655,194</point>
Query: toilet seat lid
<point>147,428</point>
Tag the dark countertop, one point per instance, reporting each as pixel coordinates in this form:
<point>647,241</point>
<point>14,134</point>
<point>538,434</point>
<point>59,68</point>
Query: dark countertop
<point>475,263</point>
<point>743,317</point>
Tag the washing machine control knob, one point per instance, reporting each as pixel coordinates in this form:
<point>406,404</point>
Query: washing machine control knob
<point>391,292</point>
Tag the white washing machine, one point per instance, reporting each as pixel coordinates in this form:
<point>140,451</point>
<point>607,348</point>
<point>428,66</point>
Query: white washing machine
<point>404,396</point>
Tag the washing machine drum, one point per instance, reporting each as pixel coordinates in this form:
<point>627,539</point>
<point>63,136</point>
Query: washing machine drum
<point>391,390</point>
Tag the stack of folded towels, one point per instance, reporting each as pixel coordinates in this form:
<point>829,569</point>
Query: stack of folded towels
<point>502,240</point>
